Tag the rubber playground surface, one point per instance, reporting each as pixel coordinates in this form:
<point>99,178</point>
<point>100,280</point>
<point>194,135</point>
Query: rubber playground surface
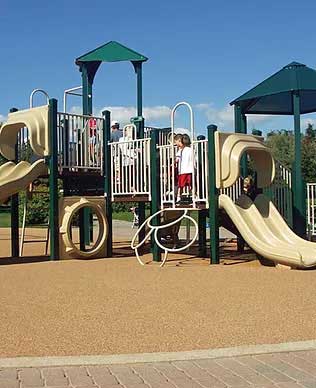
<point>115,306</point>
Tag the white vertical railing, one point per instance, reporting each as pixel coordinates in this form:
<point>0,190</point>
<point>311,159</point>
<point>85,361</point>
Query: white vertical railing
<point>201,172</point>
<point>280,192</point>
<point>130,167</point>
<point>234,191</point>
<point>311,198</point>
<point>167,183</point>
<point>163,134</point>
<point>80,142</point>
<point>168,180</point>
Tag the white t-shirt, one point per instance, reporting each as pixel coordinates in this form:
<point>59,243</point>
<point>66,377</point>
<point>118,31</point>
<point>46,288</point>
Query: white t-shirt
<point>185,160</point>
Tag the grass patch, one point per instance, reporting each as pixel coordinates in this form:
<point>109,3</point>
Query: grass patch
<point>123,216</point>
<point>5,220</point>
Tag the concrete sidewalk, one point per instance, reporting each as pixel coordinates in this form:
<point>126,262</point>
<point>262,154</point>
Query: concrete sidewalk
<point>285,369</point>
<point>291,364</point>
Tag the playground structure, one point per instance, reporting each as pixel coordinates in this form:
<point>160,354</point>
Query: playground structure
<point>87,173</point>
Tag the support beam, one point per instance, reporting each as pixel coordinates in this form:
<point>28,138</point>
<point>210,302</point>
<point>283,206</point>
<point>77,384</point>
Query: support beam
<point>107,179</point>
<point>85,224</point>
<point>138,70</point>
<point>15,210</point>
<point>86,91</point>
<point>53,181</point>
<point>155,189</point>
<point>139,123</point>
<point>213,197</point>
<point>237,112</point>
<point>202,214</point>
<point>299,206</point>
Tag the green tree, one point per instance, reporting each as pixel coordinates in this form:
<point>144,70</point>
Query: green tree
<point>282,146</point>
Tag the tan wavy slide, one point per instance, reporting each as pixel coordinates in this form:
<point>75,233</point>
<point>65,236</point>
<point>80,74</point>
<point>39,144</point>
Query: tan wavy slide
<point>266,232</point>
<point>16,177</point>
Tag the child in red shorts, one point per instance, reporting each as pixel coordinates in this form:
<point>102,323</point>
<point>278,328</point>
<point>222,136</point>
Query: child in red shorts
<point>185,164</point>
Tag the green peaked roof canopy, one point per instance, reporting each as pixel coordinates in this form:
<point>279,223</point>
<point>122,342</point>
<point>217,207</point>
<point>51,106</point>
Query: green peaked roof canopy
<point>274,94</point>
<point>111,52</point>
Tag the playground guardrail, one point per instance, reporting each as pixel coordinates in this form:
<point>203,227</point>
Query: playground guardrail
<point>80,140</point>
<point>234,191</point>
<point>280,192</point>
<point>163,134</point>
<point>168,180</point>
<point>311,213</point>
<point>130,168</point>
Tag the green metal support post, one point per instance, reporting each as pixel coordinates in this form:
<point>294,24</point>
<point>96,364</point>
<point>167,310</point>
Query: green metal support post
<point>107,179</point>
<point>53,181</point>
<point>86,92</point>
<point>213,197</point>
<point>85,216</point>
<point>155,191</point>
<point>138,70</point>
<point>15,210</point>
<point>202,214</point>
<point>299,212</point>
<point>139,122</point>
<point>237,112</point>
<point>241,127</point>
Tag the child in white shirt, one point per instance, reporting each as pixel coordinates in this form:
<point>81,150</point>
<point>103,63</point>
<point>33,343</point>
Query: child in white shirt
<point>184,160</point>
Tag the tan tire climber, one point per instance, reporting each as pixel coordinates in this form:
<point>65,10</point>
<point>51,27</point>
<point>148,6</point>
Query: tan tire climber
<point>69,207</point>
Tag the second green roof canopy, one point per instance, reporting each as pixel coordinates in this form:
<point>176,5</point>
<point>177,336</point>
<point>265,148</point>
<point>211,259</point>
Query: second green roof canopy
<point>274,95</point>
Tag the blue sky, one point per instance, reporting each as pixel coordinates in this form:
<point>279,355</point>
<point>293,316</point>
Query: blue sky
<point>203,52</point>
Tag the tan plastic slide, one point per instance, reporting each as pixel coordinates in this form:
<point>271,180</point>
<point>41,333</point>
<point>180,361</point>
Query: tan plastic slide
<point>230,147</point>
<point>266,232</point>
<point>16,177</point>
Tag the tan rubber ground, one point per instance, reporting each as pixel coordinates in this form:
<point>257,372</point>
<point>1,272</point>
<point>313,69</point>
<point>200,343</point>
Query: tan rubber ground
<point>116,306</point>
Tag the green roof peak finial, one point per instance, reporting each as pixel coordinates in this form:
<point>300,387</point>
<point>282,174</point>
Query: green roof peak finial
<point>294,64</point>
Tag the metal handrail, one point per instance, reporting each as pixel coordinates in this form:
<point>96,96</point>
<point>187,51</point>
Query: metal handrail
<point>38,91</point>
<point>173,111</point>
<point>69,91</point>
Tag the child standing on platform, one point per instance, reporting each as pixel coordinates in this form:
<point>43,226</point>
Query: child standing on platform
<point>184,161</point>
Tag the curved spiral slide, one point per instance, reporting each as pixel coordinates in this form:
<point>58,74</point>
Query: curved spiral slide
<point>16,177</point>
<point>266,232</point>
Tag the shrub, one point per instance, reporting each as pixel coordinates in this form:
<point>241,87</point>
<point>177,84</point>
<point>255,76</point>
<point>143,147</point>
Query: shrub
<point>37,206</point>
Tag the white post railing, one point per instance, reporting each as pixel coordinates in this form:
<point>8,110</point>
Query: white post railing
<point>130,167</point>
<point>280,191</point>
<point>234,191</point>
<point>311,203</point>
<point>200,172</point>
<point>164,134</point>
<point>168,184</point>
<point>80,142</point>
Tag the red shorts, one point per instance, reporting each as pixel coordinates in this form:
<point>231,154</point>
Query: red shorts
<point>184,180</point>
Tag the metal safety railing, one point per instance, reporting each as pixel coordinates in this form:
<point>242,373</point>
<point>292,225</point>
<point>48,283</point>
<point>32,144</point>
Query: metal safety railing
<point>234,191</point>
<point>280,192</point>
<point>130,168</point>
<point>164,134</point>
<point>80,142</point>
<point>311,212</point>
<point>168,178</point>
